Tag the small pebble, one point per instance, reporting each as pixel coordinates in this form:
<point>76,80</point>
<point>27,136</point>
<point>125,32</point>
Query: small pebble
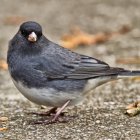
<point>98,121</point>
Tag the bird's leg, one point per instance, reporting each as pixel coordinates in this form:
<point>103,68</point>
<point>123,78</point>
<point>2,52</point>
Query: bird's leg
<point>56,116</point>
<point>60,111</point>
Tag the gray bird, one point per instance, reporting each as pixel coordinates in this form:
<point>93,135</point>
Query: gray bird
<point>48,74</point>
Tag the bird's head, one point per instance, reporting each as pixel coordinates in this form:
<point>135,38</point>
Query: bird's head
<point>30,30</point>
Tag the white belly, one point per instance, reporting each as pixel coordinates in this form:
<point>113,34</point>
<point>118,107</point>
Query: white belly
<point>93,83</point>
<point>51,97</point>
<point>48,97</point>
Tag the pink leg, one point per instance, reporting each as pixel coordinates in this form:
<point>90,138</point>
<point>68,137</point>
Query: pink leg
<point>55,118</point>
<point>60,110</point>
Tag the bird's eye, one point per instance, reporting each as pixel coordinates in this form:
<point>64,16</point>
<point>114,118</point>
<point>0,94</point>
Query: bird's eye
<point>23,32</point>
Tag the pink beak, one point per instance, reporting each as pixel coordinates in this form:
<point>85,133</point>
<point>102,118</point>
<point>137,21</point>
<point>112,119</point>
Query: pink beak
<point>32,37</point>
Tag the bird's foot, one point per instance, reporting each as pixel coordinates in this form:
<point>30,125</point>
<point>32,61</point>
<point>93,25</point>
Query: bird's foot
<point>60,119</point>
<point>48,113</point>
<point>57,117</point>
<point>133,109</point>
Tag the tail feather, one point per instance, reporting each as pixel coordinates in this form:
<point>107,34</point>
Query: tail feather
<point>126,74</point>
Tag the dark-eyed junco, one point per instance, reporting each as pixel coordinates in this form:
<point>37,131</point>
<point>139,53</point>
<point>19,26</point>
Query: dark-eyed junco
<point>48,74</point>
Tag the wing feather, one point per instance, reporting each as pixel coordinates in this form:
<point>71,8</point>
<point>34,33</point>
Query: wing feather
<point>73,66</point>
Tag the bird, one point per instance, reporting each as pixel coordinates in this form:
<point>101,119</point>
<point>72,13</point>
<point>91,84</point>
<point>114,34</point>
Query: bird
<point>51,75</point>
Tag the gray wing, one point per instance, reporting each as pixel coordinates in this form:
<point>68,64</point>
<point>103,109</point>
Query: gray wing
<point>87,68</point>
<point>74,66</point>
<point>84,68</point>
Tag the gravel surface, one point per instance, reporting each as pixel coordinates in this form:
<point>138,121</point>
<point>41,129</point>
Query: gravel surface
<point>101,116</point>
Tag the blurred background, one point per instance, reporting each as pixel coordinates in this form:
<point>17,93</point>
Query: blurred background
<point>106,29</point>
<point>61,18</point>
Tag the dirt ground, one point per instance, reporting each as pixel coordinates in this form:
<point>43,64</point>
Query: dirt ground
<point>101,116</point>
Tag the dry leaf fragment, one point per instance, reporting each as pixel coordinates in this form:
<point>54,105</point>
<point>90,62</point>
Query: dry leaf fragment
<point>135,79</point>
<point>133,109</point>
<point>78,37</point>
<point>135,60</point>
<point>133,105</point>
<point>3,128</point>
<point>14,20</point>
<point>2,119</point>
<point>3,65</point>
<point>75,38</point>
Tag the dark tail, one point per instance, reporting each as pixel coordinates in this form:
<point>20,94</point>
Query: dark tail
<point>127,74</point>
